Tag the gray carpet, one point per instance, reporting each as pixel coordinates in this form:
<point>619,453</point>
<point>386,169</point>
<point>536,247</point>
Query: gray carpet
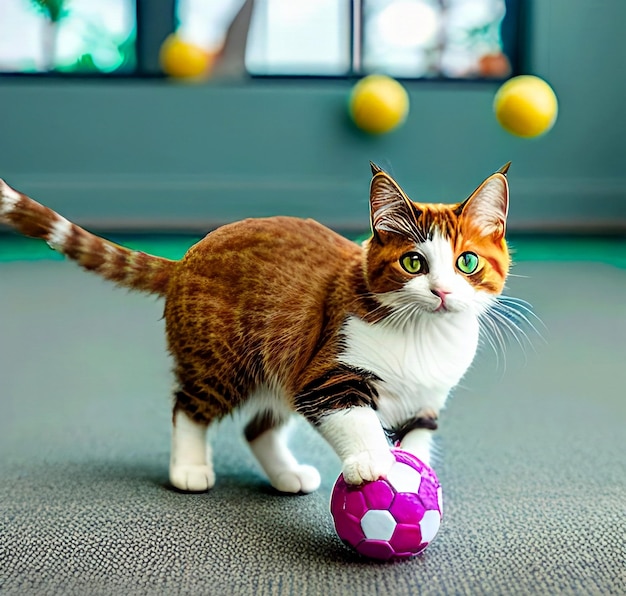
<point>532,459</point>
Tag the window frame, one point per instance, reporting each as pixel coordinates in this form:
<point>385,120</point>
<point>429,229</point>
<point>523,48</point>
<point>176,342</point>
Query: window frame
<point>156,19</point>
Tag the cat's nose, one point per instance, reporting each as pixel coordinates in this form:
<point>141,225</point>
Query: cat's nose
<point>441,294</point>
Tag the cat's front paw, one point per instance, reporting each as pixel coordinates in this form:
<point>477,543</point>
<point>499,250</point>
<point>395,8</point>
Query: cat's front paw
<point>367,466</point>
<point>192,478</point>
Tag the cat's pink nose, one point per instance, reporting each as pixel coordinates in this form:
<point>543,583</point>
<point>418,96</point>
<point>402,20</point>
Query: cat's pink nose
<point>441,294</point>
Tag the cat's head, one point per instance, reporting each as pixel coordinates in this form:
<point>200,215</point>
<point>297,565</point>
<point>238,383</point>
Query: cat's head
<point>437,258</point>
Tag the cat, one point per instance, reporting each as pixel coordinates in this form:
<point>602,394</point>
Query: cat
<point>282,315</point>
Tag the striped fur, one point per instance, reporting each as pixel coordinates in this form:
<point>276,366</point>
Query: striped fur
<point>127,268</point>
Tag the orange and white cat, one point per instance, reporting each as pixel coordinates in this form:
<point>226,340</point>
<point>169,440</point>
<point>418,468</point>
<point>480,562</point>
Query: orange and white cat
<point>283,315</point>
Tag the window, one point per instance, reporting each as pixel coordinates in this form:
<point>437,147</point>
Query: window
<point>73,36</point>
<point>434,38</point>
<point>456,39</point>
<point>416,39</point>
<point>291,38</point>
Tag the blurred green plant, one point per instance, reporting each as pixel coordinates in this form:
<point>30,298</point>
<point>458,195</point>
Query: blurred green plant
<point>84,64</point>
<point>94,34</point>
<point>53,10</point>
<point>97,37</point>
<point>128,52</point>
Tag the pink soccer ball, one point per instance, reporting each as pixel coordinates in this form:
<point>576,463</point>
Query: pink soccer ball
<point>391,518</point>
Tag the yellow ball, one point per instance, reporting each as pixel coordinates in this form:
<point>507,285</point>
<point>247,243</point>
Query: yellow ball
<point>182,59</point>
<point>526,106</point>
<point>378,104</point>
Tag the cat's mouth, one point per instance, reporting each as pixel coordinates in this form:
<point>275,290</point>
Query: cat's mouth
<point>447,307</point>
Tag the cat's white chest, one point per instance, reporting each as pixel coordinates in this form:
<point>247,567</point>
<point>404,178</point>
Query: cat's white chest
<point>417,364</point>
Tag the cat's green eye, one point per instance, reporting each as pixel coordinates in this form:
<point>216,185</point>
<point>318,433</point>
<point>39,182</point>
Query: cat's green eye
<point>467,262</point>
<point>413,263</point>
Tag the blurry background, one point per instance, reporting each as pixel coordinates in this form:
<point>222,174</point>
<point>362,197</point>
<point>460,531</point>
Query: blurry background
<point>99,135</point>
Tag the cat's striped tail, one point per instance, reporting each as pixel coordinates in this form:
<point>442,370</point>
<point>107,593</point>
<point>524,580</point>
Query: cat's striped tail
<point>127,268</point>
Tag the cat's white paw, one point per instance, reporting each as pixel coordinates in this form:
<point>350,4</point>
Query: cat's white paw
<point>303,479</point>
<point>192,478</point>
<point>367,466</point>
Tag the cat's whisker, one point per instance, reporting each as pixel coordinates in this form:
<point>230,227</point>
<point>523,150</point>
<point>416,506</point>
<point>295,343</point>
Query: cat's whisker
<point>515,316</point>
<point>400,321</point>
<point>486,336</point>
<point>521,307</point>
<point>371,296</point>
<point>494,336</point>
<point>380,309</point>
<point>504,321</point>
<point>531,326</point>
<point>401,316</point>
<point>511,329</point>
<point>518,275</point>
<point>523,311</point>
<point>525,305</point>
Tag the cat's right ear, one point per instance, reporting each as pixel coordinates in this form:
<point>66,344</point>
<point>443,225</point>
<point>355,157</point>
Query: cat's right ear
<point>391,211</point>
<point>487,207</point>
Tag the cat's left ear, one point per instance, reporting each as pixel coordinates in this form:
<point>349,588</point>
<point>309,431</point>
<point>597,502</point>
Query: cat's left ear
<point>488,206</point>
<point>391,211</point>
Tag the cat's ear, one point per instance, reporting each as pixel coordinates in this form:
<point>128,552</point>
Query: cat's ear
<point>375,169</point>
<point>487,207</point>
<point>391,211</point>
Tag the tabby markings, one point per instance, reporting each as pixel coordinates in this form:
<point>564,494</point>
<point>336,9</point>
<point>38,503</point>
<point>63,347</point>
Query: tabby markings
<point>60,230</point>
<point>10,198</point>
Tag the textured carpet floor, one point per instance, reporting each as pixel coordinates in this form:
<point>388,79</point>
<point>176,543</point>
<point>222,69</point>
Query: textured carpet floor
<point>532,459</point>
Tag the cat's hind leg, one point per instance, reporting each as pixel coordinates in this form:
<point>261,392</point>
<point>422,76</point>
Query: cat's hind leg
<point>267,435</point>
<point>191,465</point>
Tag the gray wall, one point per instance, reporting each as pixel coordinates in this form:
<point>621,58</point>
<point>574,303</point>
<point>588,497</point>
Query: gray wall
<point>141,154</point>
